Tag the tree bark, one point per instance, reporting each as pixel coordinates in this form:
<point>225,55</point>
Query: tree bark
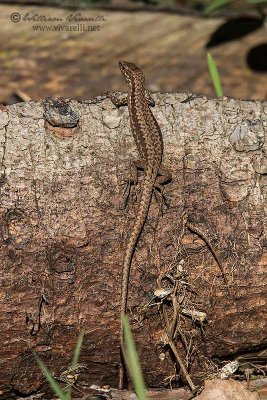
<point>64,164</point>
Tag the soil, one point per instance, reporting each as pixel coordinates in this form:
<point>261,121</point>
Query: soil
<point>170,48</point>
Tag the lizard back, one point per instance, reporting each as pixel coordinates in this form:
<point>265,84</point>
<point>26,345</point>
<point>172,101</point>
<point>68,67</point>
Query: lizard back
<point>148,139</point>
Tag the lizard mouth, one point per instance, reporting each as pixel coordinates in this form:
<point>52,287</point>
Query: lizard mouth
<point>122,65</point>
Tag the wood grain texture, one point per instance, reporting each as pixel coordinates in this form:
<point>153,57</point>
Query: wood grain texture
<point>62,232</point>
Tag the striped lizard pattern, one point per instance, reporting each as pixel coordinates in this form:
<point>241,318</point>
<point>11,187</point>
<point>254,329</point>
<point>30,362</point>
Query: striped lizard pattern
<point>148,139</point>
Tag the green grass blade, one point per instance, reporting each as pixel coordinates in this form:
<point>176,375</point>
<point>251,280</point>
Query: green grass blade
<point>216,5</point>
<point>75,359</point>
<point>53,383</point>
<point>77,350</point>
<point>257,2</point>
<point>215,76</point>
<point>132,361</point>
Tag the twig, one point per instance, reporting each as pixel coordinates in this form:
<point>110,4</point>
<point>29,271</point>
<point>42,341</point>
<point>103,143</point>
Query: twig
<point>175,351</point>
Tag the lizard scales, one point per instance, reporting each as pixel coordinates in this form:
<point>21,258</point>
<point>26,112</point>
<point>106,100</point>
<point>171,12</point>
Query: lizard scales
<point>148,139</point>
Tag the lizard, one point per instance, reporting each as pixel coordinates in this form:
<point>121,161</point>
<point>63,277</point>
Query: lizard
<point>149,143</point>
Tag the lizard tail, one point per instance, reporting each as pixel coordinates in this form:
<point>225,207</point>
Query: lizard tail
<point>143,208</point>
<point>147,191</point>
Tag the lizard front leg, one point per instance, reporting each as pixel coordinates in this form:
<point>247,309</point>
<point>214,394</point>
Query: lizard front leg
<point>149,99</point>
<point>122,100</point>
<point>118,101</point>
<point>133,180</point>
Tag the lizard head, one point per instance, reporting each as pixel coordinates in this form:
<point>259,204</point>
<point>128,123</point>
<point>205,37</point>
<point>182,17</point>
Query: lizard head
<point>131,72</point>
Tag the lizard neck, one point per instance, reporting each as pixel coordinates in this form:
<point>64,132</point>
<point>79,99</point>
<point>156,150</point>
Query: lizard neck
<point>137,88</point>
<point>145,129</point>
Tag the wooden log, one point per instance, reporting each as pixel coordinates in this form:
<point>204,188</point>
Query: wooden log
<point>63,165</point>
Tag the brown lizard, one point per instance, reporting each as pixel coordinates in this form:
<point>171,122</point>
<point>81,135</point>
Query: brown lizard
<point>148,139</point>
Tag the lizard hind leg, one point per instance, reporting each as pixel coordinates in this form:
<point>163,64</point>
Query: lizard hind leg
<point>161,199</point>
<point>163,177</point>
<point>131,183</point>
